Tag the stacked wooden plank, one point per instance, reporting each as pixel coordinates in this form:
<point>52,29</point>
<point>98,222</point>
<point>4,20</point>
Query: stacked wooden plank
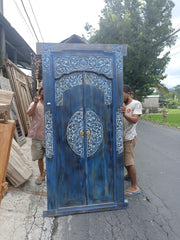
<point>19,168</point>
<point>5,104</point>
<point>13,163</point>
<point>6,136</point>
<point>20,86</point>
<point>14,113</point>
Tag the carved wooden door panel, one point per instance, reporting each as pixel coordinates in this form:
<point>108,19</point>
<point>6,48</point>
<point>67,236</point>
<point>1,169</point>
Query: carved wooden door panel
<point>84,150</point>
<point>19,85</point>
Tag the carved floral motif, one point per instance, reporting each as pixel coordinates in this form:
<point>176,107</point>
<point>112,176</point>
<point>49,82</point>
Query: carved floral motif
<point>49,135</point>
<point>67,64</point>
<point>76,79</point>
<point>119,131</point>
<point>93,130</point>
<point>119,57</point>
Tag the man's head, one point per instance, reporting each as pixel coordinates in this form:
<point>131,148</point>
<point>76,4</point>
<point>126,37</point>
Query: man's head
<point>126,93</point>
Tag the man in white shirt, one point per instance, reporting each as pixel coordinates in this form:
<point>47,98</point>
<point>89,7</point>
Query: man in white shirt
<point>132,110</point>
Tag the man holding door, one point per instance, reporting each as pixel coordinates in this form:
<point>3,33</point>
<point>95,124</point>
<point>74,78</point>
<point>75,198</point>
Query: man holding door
<point>132,110</point>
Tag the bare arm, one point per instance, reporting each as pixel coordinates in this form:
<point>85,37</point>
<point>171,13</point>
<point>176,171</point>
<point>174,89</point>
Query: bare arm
<point>30,112</point>
<point>133,119</point>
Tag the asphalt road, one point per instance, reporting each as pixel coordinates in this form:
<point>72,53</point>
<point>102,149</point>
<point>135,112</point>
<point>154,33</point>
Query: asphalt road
<point>152,215</point>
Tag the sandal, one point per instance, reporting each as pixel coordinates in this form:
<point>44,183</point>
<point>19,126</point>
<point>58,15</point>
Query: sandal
<point>131,193</point>
<point>39,180</point>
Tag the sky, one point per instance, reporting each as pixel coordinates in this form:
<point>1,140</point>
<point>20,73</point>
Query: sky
<point>59,19</point>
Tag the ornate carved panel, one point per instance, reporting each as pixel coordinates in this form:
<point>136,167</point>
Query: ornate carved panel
<point>119,131</point>
<point>19,85</point>
<point>68,64</point>
<point>83,92</point>
<point>93,132</point>
<point>76,79</point>
<point>49,135</point>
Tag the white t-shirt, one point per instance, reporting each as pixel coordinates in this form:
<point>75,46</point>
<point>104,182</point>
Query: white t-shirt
<point>135,107</point>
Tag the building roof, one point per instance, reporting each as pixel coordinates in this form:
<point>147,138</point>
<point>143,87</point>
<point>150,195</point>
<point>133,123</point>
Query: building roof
<point>152,96</point>
<point>16,44</point>
<point>37,61</point>
<point>75,39</point>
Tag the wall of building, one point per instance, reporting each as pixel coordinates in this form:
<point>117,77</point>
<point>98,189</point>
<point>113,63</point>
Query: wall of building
<point>152,103</point>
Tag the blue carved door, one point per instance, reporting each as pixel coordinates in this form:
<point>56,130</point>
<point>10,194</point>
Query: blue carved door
<point>84,150</point>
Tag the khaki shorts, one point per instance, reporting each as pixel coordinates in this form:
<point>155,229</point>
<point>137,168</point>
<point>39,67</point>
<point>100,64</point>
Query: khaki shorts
<point>37,149</point>
<point>129,152</point>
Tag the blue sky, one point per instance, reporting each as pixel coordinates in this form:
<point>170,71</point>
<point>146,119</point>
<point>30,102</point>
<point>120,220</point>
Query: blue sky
<point>58,21</point>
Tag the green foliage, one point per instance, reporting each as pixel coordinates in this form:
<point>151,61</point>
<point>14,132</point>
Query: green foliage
<point>145,25</point>
<point>89,30</point>
<point>173,118</point>
<point>175,93</point>
<point>171,97</point>
<point>173,103</point>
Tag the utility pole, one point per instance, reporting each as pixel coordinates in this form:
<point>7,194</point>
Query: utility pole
<point>2,41</point>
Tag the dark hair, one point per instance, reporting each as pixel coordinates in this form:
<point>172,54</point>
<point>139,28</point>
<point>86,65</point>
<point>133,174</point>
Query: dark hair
<point>40,90</point>
<point>126,88</point>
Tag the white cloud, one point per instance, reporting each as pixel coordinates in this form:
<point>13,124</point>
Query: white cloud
<point>173,69</point>
<point>59,19</point>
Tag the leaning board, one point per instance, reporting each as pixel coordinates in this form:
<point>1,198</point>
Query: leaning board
<point>14,114</point>
<point>19,85</point>
<point>6,136</point>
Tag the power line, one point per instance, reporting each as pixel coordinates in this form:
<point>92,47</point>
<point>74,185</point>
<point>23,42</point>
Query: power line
<point>36,20</point>
<point>165,39</point>
<point>29,20</point>
<point>172,34</point>
<point>24,20</point>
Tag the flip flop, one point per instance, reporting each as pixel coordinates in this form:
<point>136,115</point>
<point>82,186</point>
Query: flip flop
<point>130,193</point>
<point>39,180</point>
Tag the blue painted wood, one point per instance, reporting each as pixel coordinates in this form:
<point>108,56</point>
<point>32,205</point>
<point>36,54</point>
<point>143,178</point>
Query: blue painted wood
<point>84,149</point>
<point>86,209</point>
<point>70,167</point>
<point>100,167</point>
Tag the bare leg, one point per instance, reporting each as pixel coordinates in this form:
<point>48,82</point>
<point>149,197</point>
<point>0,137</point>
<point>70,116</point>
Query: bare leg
<point>41,167</point>
<point>41,178</point>
<point>132,174</point>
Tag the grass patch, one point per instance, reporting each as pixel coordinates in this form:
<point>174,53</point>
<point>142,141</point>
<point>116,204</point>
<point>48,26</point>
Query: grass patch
<point>173,118</point>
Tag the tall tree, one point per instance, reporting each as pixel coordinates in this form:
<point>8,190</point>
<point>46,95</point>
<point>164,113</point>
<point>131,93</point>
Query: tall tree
<point>145,25</point>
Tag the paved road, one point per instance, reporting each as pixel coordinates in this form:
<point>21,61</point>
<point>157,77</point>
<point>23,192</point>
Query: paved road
<point>153,215</point>
<point>158,164</point>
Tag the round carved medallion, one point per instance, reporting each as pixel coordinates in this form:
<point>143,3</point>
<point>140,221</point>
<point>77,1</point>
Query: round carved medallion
<point>93,132</point>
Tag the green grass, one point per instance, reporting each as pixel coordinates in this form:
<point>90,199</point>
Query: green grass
<point>173,118</point>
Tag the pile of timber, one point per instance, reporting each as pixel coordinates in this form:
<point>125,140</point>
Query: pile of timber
<point>13,163</point>
<point>5,104</point>
<point>6,136</point>
<point>19,169</point>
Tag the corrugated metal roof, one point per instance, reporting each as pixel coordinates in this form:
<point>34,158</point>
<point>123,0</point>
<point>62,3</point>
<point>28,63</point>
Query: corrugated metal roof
<point>15,43</point>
